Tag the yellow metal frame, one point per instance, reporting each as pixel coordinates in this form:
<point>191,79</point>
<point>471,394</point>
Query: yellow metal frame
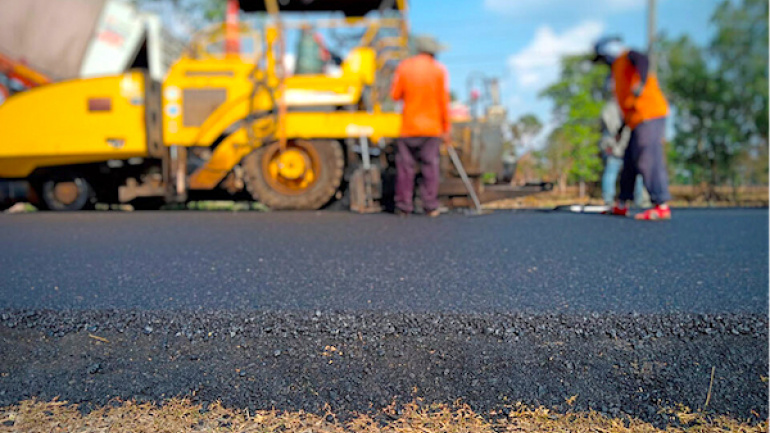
<point>359,70</point>
<point>215,34</point>
<point>73,122</point>
<point>301,125</point>
<point>188,74</point>
<point>72,134</point>
<point>279,93</point>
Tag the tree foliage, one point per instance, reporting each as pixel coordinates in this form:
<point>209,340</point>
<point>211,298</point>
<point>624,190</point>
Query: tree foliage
<point>196,13</point>
<point>526,127</point>
<point>555,159</point>
<point>524,130</point>
<point>720,98</point>
<point>578,99</point>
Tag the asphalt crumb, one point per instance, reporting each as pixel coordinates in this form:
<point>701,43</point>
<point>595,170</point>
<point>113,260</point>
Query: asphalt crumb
<point>640,365</point>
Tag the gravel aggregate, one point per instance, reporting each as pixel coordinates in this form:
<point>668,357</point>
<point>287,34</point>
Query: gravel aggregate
<point>635,364</point>
<point>297,311</point>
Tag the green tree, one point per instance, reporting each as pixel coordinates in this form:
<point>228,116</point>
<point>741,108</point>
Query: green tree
<point>578,98</point>
<point>524,130</point>
<point>555,158</point>
<point>196,13</point>
<point>720,97</point>
<point>740,46</point>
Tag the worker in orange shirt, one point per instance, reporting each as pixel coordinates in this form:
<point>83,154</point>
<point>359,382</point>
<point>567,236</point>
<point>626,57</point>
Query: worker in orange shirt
<point>421,83</point>
<point>644,112</point>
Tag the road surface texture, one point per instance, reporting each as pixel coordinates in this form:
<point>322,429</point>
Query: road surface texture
<point>703,261</point>
<point>297,310</point>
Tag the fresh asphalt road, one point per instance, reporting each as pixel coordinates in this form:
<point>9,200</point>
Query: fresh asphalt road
<point>526,261</point>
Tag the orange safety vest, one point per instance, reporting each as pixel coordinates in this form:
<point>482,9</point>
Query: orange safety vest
<point>421,82</point>
<point>650,104</point>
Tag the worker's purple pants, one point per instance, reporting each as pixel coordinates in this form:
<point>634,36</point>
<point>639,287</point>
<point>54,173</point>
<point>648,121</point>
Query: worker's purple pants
<point>644,155</point>
<point>412,150</point>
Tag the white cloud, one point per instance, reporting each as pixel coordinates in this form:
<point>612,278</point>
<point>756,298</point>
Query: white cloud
<point>537,64</point>
<point>523,7</point>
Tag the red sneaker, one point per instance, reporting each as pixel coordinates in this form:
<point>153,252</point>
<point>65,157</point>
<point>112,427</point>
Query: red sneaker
<point>655,214</point>
<point>617,211</point>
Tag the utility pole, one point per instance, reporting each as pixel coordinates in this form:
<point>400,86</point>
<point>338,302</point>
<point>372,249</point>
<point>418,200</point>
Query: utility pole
<point>651,30</point>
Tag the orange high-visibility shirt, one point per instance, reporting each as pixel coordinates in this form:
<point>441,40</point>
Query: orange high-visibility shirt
<point>650,104</point>
<point>421,82</point>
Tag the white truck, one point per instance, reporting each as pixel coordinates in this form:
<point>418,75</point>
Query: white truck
<point>66,39</point>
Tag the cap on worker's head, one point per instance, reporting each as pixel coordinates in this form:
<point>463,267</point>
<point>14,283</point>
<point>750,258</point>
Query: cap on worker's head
<point>428,44</point>
<point>607,49</point>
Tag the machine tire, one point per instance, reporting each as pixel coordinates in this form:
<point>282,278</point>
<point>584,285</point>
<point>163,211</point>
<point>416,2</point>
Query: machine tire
<point>82,195</point>
<point>330,165</point>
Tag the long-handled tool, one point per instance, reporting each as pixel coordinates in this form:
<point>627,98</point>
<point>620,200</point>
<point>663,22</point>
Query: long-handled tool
<point>583,208</point>
<point>365,184</point>
<point>464,176</point>
<point>367,165</point>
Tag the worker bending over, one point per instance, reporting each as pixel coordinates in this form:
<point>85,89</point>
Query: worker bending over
<point>613,148</point>
<point>421,83</point>
<point>644,112</point>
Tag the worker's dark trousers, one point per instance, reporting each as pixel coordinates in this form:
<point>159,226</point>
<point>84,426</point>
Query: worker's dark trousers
<point>412,150</point>
<point>644,155</point>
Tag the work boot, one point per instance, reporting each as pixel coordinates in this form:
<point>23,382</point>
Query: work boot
<point>659,212</point>
<point>401,213</point>
<point>617,211</point>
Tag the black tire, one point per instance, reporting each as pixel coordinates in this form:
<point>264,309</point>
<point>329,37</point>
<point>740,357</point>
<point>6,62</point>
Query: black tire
<point>329,162</point>
<point>82,197</point>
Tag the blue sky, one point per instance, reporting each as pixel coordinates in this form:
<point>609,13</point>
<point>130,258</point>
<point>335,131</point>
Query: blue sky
<point>520,41</point>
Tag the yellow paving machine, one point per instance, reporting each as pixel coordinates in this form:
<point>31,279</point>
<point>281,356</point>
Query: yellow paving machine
<point>235,116</point>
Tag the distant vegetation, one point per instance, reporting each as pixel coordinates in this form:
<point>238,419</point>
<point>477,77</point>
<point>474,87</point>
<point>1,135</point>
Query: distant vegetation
<point>719,98</point>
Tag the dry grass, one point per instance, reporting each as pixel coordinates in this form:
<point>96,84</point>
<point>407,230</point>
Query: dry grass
<point>183,416</point>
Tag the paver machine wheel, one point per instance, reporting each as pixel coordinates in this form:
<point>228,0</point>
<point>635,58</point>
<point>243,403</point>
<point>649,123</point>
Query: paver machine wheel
<point>64,191</point>
<point>305,175</point>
